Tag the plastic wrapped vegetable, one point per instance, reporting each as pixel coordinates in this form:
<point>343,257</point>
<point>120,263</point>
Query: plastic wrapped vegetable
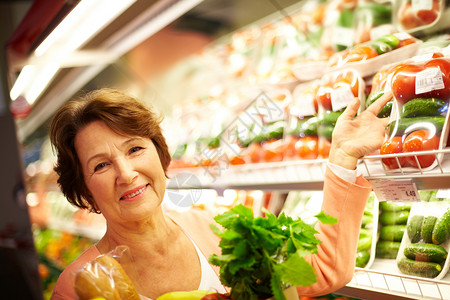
<point>417,15</point>
<point>421,91</point>
<point>336,91</point>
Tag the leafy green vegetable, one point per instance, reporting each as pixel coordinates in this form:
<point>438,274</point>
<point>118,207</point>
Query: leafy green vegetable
<point>263,256</point>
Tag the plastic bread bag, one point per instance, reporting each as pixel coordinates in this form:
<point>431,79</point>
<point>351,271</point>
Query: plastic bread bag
<point>424,247</point>
<point>104,277</point>
<point>414,16</point>
<point>421,93</point>
<point>301,140</point>
<point>336,91</point>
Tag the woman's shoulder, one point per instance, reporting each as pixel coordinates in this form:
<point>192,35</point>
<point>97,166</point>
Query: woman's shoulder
<point>64,286</point>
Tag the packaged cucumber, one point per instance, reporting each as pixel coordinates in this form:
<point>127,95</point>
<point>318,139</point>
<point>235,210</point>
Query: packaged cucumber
<point>421,91</point>
<point>393,217</point>
<point>424,248</point>
<point>365,254</point>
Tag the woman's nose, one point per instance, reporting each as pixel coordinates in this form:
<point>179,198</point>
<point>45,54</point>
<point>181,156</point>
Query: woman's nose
<point>125,171</point>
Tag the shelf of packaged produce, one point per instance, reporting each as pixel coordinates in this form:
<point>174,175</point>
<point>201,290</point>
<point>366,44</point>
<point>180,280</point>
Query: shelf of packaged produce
<point>383,281</point>
<point>307,174</point>
<point>94,232</point>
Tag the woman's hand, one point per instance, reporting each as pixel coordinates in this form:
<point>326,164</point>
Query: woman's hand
<point>353,137</point>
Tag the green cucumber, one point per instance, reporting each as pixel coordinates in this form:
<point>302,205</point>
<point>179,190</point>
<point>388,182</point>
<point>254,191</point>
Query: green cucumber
<point>441,229</point>
<point>419,268</point>
<point>386,110</point>
<point>381,47</point>
<point>414,228</point>
<point>394,217</point>
<point>309,127</point>
<point>386,249</point>
<point>392,233</point>
<point>364,243</point>
<point>427,228</point>
<point>425,252</point>
<point>329,117</point>
<point>401,125</point>
<point>420,107</point>
<point>390,39</point>
<point>325,131</point>
<point>366,220</point>
<point>394,206</point>
<point>362,258</point>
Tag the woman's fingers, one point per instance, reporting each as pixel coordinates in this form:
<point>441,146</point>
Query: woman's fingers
<point>351,109</point>
<point>378,105</point>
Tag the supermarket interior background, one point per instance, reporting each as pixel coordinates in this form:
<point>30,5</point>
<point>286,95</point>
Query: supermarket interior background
<point>250,92</point>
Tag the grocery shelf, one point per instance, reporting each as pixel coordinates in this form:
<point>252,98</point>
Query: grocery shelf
<point>383,281</point>
<point>307,174</point>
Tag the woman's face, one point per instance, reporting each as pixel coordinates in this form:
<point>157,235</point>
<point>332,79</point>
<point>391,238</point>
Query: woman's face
<point>123,173</point>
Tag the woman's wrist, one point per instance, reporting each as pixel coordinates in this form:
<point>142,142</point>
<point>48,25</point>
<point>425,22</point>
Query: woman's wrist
<point>342,159</point>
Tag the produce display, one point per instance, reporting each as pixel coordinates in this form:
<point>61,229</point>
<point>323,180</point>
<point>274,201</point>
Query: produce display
<point>424,248</point>
<point>365,252</point>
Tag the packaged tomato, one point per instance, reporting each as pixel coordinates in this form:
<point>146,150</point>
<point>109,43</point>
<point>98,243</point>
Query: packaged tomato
<point>335,92</point>
<point>373,19</point>
<point>301,140</point>
<point>421,93</point>
<point>414,16</point>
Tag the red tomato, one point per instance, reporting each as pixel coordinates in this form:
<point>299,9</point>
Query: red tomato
<point>237,160</point>
<point>307,147</point>
<point>289,143</point>
<point>273,150</point>
<point>428,16</point>
<point>444,65</point>
<point>421,140</point>
<point>361,52</point>
<point>350,78</point>
<point>324,147</point>
<point>404,82</point>
<point>323,96</point>
<point>406,16</point>
<point>253,153</point>
<point>391,146</point>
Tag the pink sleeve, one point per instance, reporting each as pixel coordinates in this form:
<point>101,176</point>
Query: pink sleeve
<point>335,261</point>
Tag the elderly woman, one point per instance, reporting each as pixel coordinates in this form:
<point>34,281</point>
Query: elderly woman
<point>113,159</point>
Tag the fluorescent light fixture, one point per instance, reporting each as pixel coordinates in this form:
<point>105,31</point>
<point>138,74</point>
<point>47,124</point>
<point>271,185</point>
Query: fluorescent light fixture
<point>87,18</point>
<point>22,81</point>
<point>41,81</point>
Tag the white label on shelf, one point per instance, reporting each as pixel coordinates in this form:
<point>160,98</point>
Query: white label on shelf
<point>343,36</point>
<point>341,97</point>
<point>429,80</point>
<point>403,190</point>
<point>443,193</point>
<point>304,105</point>
<point>417,5</point>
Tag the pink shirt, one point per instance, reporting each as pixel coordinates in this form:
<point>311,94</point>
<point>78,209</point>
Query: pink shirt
<point>334,263</point>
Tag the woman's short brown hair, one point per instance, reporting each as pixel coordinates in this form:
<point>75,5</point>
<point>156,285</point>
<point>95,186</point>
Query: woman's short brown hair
<point>121,112</point>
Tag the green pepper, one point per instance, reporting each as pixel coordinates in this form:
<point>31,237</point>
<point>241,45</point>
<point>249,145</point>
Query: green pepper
<point>389,39</point>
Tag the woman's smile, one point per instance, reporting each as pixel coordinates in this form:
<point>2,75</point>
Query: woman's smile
<point>134,194</point>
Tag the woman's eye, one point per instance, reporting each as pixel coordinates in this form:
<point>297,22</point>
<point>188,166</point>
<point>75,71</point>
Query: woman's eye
<point>99,167</point>
<point>135,149</point>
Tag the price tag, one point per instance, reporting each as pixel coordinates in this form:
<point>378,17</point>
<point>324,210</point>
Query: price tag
<point>429,80</point>
<point>343,36</point>
<point>304,105</point>
<point>341,97</point>
<point>443,193</point>
<point>402,35</point>
<point>395,190</point>
<point>417,5</point>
